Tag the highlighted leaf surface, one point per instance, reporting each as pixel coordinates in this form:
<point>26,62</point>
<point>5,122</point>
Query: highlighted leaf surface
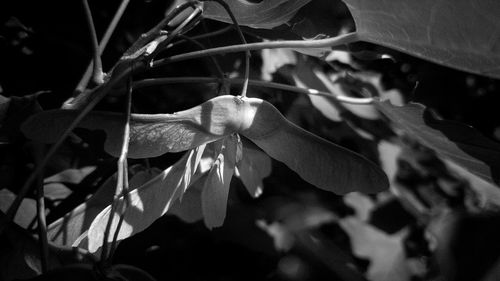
<point>216,190</point>
<point>457,142</point>
<point>462,34</point>
<point>322,163</point>
<point>266,14</point>
<point>147,203</point>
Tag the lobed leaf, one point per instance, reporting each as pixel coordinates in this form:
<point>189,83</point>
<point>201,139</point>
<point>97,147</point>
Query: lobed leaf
<point>266,14</point>
<point>457,142</point>
<point>461,34</point>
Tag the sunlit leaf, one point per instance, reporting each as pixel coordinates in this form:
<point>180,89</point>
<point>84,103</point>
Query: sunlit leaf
<point>385,252</point>
<point>147,203</point>
<point>27,210</point>
<point>273,59</point>
<point>266,14</point>
<point>216,190</point>
<point>457,142</point>
<point>73,176</point>
<point>461,34</point>
<point>67,229</point>
<point>150,135</point>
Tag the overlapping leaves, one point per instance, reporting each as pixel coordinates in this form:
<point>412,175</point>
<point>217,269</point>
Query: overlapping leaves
<point>216,122</point>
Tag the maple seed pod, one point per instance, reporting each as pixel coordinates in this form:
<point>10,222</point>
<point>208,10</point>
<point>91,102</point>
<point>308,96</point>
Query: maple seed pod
<point>320,162</point>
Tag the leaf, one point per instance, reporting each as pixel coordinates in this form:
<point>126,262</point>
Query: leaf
<point>316,160</point>
<point>27,209</point>
<point>216,190</point>
<point>20,255</point>
<point>73,176</point>
<point>147,203</point>
<point>451,140</point>
<point>266,14</point>
<point>253,168</point>
<point>461,34</point>
<point>273,59</point>
<point>386,252</point>
<point>150,135</point>
<point>67,229</point>
<point>320,162</point>
<point>189,208</point>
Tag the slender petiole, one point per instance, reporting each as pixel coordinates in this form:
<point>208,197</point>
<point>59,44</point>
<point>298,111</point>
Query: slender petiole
<point>179,80</point>
<point>82,85</point>
<point>244,41</point>
<point>97,74</point>
<point>287,44</point>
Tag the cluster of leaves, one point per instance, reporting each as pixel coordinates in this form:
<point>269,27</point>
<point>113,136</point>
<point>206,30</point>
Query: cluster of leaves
<point>301,187</point>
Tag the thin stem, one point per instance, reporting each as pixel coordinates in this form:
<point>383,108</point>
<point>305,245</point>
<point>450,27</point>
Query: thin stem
<point>288,44</point>
<point>40,212</point>
<point>97,75</point>
<point>121,183</point>
<point>212,58</point>
<point>203,36</point>
<point>187,24</point>
<point>82,85</point>
<point>174,80</point>
<point>244,41</point>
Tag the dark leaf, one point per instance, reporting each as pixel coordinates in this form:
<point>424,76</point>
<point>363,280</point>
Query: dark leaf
<point>461,34</point>
<point>266,14</point>
<point>452,140</point>
<point>253,168</point>
<point>320,162</point>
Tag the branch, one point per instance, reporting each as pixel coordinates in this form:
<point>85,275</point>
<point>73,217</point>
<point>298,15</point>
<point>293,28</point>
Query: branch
<point>244,41</point>
<point>97,74</point>
<point>82,85</point>
<point>178,80</point>
<point>288,44</point>
<point>122,187</point>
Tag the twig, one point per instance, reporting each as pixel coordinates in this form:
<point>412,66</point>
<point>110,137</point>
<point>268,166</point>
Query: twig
<point>40,212</point>
<point>91,101</point>
<point>97,74</point>
<point>289,44</point>
<point>244,41</point>
<point>82,85</point>
<point>212,58</point>
<point>203,36</point>
<point>121,183</point>
<point>186,24</point>
<point>173,80</point>
<point>101,92</point>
